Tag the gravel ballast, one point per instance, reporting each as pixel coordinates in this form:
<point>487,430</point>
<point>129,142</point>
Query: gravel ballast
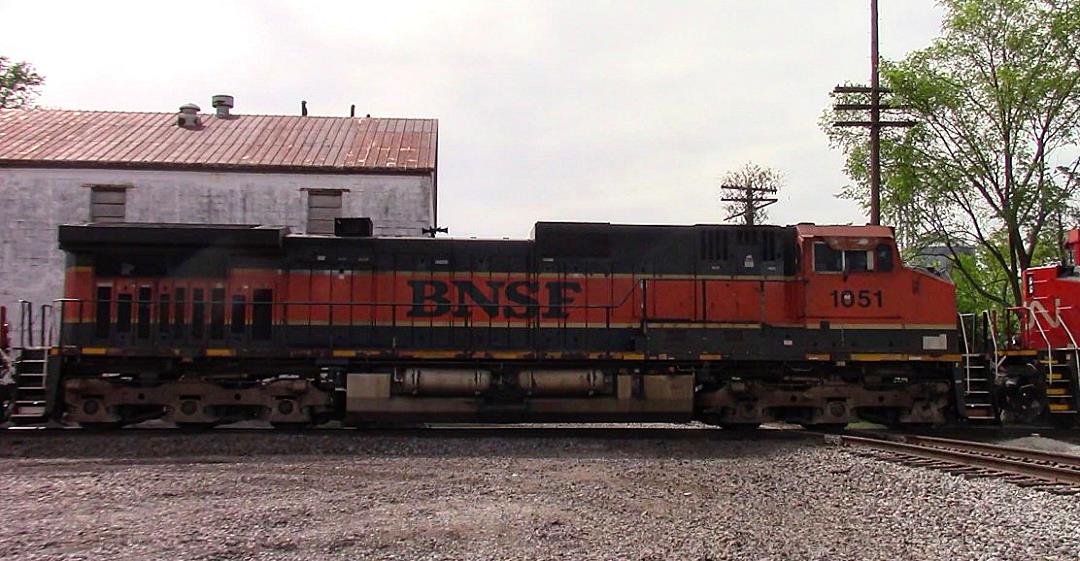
<point>359,496</point>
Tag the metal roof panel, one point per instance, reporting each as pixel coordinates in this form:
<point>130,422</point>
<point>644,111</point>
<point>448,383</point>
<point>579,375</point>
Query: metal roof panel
<point>69,138</point>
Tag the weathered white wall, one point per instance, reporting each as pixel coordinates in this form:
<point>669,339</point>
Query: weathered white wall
<point>33,202</point>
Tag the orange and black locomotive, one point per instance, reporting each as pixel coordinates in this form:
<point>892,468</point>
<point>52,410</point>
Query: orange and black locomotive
<point>730,325</point>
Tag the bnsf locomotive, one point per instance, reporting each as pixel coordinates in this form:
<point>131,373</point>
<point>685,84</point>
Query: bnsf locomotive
<point>730,325</point>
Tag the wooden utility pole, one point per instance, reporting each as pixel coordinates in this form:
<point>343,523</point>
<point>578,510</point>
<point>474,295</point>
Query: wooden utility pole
<point>752,198</point>
<point>875,124</point>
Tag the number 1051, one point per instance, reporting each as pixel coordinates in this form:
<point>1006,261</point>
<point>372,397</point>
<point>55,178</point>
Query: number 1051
<point>851,298</point>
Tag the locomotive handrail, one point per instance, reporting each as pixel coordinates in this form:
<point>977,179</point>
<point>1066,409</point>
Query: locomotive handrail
<point>1072,339</point>
<point>533,321</point>
<point>967,350</point>
<point>45,333</point>
<point>1049,349</point>
<point>26,323</point>
<point>992,326</point>
<point>382,304</point>
<point>60,307</point>
<point>5,329</point>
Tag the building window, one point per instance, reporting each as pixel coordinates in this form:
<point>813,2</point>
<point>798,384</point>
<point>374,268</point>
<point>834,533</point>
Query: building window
<point>324,205</point>
<point>107,203</point>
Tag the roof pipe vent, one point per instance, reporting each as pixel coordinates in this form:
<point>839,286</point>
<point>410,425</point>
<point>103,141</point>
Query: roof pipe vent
<point>222,103</point>
<point>188,117</point>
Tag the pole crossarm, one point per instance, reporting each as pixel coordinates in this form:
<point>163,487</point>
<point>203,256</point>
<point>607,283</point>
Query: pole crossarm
<point>867,107</point>
<point>900,124</point>
<point>752,200</point>
<point>860,89</point>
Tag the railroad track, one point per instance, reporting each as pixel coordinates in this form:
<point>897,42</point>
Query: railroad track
<point>1049,471</point>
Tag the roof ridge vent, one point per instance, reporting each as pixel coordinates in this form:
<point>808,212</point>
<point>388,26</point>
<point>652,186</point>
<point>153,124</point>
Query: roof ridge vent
<point>222,103</point>
<point>188,117</point>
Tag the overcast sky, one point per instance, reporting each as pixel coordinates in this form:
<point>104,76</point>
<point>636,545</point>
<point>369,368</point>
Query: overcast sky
<point>599,111</point>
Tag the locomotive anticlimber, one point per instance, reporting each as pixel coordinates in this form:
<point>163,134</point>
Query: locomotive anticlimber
<point>732,325</point>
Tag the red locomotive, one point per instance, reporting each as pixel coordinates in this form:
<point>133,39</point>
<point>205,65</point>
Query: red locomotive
<point>732,325</point>
<point>1035,368</point>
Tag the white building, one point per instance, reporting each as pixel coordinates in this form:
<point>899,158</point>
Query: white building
<point>68,167</point>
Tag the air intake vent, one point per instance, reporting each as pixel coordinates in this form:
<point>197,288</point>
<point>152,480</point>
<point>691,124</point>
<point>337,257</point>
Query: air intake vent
<point>714,245</point>
<point>222,104</point>
<point>188,117</point>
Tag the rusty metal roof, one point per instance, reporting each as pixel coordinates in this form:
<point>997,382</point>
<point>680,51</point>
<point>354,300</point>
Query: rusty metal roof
<point>112,139</point>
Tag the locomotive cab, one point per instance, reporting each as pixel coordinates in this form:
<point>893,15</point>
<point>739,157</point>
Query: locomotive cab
<point>879,338</point>
<point>854,279</point>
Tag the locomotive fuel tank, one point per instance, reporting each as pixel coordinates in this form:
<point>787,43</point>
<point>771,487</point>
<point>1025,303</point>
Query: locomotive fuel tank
<point>564,382</point>
<point>443,381</point>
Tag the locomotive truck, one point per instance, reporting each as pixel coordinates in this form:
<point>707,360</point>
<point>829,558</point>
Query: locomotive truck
<point>730,325</point>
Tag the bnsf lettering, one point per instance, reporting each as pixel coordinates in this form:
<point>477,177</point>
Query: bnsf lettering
<point>496,299</point>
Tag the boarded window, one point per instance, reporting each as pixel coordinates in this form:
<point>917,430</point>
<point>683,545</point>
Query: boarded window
<point>323,207</point>
<point>107,203</point>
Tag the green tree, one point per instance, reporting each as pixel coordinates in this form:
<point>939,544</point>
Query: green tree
<point>989,173</point>
<point>19,83</point>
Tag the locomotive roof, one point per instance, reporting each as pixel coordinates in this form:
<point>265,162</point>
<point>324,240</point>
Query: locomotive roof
<point>844,231</point>
<point>267,235</point>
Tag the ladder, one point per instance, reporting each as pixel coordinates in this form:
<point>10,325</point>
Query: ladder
<point>30,403</point>
<point>31,396</point>
<point>1061,372</point>
<point>1061,390</point>
<point>978,381</point>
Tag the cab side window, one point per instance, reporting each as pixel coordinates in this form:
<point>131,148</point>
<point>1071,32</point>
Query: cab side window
<point>827,259</point>
<point>855,261</point>
<point>883,257</point>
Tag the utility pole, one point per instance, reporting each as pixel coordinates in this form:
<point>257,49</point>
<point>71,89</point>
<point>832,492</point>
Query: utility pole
<point>875,124</point>
<point>875,119</point>
<point>753,198</point>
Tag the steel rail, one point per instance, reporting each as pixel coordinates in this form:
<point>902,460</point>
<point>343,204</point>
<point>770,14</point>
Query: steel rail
<point>1008,460</point>
<point>986,448</point>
